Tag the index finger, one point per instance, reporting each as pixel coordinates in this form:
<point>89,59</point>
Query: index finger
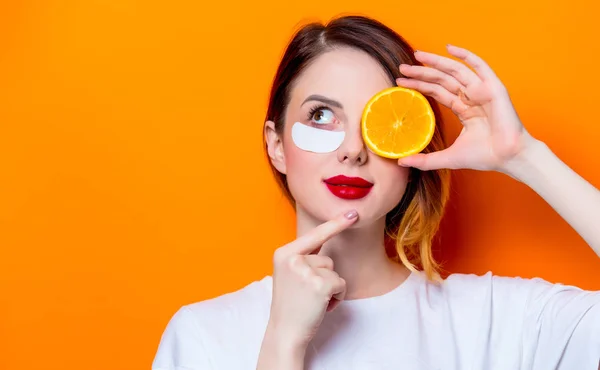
<point>314,239</point>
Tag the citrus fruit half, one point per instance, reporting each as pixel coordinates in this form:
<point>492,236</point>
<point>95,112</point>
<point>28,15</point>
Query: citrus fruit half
<point>397,122</point>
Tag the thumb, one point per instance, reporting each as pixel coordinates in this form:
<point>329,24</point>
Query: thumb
<point>428,161</point>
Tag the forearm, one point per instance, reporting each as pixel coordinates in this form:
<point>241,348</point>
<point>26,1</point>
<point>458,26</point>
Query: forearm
<point>276,353</point>
<point>572,197</point>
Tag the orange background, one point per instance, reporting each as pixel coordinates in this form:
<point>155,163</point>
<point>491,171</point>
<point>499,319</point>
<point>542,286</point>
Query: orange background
<point>132,178</point>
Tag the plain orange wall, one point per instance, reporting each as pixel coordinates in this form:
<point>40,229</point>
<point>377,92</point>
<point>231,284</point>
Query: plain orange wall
<point>132,178</point>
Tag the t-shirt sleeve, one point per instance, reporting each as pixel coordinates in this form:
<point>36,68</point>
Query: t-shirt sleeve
<point>561,326</point>
<point>181,345</point>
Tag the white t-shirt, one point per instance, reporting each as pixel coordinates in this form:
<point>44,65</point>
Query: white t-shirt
<point>467,322</point>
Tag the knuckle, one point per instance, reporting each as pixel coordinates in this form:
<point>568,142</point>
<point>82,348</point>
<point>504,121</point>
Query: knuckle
<point>416,71</point>
<point>328,262</point>
<point>307,273</point>
<point>454,87</point>
<point>453,70</point>
<point>279,255</point>
<point>433,76</point>
<point>424,86</point>
<point>434,90</point>
<point>457,74</point>
<point>338,285</point>
<point>295,262</point>
<point>437,89</point>
<point>318,283</point>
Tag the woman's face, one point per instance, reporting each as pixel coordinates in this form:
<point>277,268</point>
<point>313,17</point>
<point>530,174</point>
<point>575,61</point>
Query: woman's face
<point>330,95</point>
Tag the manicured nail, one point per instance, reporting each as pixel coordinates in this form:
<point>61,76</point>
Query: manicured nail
<point>351,214</point>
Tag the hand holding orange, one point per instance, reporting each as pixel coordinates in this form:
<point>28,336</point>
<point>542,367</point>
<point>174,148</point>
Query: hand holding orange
<point>492,138</point>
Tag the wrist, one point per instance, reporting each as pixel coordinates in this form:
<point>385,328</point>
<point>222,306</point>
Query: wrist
<point>525,162</point>
<point>284,340</point>
<point>281,351</point>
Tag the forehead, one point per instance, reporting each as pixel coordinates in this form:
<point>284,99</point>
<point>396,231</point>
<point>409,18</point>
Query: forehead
<point>348,75</point>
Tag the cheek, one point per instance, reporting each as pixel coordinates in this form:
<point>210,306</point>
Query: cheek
<point>299,162</point>
<point>301,166</point>
<point>391,178</point>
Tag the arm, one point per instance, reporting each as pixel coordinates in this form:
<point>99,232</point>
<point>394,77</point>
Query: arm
<point>573,198</point>
<point>279,354</point>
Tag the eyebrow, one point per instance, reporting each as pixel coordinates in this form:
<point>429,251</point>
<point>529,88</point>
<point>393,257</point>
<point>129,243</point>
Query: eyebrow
<point>323,99</point>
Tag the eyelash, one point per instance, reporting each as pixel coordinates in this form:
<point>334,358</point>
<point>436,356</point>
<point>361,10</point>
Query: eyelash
<point>315,109</point>
<point>325,126</point>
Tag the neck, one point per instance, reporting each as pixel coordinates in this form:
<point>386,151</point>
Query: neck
<point>359,257</point>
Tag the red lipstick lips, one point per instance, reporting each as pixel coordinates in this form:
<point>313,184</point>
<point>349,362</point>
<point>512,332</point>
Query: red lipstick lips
<point>348,187</point>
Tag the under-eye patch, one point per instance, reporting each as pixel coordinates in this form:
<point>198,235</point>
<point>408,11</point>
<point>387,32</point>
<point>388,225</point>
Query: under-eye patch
<point>316,140</point>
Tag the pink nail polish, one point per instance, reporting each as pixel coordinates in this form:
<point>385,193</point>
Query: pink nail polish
<point>351,214</point>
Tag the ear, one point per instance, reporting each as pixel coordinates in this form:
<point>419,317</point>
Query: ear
<point>275,147</point>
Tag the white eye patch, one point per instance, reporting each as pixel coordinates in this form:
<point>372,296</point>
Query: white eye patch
<point>316,140</point>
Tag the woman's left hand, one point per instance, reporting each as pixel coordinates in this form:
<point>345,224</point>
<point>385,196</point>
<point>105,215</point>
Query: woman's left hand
<point>492,137</point>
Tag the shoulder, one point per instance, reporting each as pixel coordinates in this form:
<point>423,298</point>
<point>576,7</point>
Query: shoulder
<point>468,294</point>
<point>558,325</point>
<point>202,334</point>
<point>529,296</point>
<point>243,311</point>
<point>496,284</point>
<point>489,281</point>
<point>249,300</point>
<point>491,287</point>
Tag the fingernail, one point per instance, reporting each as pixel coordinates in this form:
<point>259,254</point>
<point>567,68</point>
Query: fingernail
<point>351,214</point>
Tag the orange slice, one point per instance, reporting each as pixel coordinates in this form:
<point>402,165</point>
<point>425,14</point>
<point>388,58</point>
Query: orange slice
<point>397,122</point>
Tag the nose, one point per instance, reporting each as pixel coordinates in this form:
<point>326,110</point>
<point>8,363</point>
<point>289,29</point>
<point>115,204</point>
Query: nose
<point>353,149</point>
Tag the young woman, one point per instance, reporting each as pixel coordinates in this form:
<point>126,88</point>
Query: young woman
<point>338,299</point>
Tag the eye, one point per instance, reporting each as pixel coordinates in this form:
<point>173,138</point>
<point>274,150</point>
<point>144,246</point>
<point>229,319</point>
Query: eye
<point>321,115</point>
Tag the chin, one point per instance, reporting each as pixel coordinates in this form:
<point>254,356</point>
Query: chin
<point>326,210</point>
<point>363,223</point>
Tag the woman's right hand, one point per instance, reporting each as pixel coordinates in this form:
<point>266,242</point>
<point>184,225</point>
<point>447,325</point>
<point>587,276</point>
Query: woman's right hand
<point>305,286</point>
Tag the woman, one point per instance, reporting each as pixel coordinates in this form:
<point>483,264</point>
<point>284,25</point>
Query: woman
<point>337,298</point>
